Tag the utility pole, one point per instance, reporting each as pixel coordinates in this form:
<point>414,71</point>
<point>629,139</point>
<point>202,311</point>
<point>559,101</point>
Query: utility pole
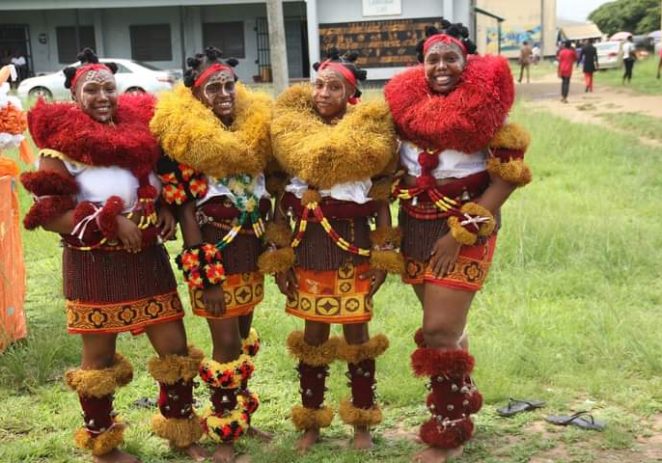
<point>277,45</point>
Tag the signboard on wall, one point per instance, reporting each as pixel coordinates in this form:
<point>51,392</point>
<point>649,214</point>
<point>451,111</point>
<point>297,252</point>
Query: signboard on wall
<point>381,7</point>
<point>387,43</point>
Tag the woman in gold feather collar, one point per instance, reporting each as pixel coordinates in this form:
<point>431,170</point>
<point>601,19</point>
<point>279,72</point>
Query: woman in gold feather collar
<point>329,270</point>
<point>215,134</point>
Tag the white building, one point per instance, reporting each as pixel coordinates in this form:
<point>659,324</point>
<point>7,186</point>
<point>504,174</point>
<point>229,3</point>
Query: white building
<point>164,32</point>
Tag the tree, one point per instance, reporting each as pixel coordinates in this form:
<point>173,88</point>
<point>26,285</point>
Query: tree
<point>636,16</point>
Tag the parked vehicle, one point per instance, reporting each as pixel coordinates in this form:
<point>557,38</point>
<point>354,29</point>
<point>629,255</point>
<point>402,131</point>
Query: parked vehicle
<point>131,76</point>
<point>610,54</point>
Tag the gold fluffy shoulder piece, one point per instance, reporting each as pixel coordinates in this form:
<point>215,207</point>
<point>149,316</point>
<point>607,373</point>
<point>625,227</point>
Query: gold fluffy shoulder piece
<point>190,133</point>
<point>511,136</point>
<point>361,145</point>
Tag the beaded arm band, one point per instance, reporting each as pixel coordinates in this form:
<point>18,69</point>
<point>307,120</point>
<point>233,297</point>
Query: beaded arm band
<point>472,221</point>
<point>202,265</point>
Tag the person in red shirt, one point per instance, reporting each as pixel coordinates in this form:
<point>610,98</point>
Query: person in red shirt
<point>566,57</point>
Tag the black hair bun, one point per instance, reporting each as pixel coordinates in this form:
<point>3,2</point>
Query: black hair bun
<point>85,56</point>
<point>201,61</point>
<point>457,30</point>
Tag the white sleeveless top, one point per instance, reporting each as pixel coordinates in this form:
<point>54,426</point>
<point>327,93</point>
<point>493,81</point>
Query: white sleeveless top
<point>96,184</point>
<point>452,164</point>
<point>356,192</point>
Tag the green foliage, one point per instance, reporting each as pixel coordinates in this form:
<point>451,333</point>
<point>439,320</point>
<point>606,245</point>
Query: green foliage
<point>636,16</point>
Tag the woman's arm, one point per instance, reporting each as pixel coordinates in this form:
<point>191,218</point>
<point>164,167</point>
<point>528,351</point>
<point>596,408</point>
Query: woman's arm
<point>64,223</point>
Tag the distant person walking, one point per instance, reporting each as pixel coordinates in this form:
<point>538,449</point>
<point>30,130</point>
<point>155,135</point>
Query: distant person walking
<point>21,65</point>
<point>525,54</point>
<point>590,55</point>
<point>536,54</point>
<point>566,57</point>
<point>629,58</point>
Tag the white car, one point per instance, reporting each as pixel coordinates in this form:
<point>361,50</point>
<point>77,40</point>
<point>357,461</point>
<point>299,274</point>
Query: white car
<point>610,54</point>
<point>131,76</point>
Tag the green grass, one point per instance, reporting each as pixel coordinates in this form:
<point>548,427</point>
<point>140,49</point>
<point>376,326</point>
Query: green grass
<point>644,77</point>
<point>637,124</point>
<point>570,314</point>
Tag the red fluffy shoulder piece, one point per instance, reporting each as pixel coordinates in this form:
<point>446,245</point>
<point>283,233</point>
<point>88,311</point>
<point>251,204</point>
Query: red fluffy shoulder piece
<point>464,120</point>
<point>126,143</point>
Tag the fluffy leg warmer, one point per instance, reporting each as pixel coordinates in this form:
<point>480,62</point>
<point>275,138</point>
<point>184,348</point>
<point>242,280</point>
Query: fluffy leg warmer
<point>250,346</point>
<point>226,420</point>
<point>313,369</point>
<point>453,396</point>
<point>361,409</point>
<point>102,431</point>
<point>177,422</point>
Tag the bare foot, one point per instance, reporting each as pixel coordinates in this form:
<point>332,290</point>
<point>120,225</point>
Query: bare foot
<point>194,451</point>
<point>224,454</point>
<point>116,456</point>
<point>257,433</point>
<point>309,438</point>
<point>437,455</point>
<point>362,439</point>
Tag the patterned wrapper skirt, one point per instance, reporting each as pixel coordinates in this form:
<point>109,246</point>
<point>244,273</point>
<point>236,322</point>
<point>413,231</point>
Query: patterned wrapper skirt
<point>114,291</point>
<point>419,235</point>
<point>330,290</point>
<point>243,288</point>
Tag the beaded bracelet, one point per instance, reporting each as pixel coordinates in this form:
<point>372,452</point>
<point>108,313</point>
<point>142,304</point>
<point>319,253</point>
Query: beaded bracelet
<point>202,265</point>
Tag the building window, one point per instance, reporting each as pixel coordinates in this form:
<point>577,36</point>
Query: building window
<point>67,48</point>
<point>151,42</point>
<point>228,37</point>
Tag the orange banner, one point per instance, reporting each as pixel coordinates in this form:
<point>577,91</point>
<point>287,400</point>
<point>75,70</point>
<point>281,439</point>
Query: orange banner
<point>12,267</point>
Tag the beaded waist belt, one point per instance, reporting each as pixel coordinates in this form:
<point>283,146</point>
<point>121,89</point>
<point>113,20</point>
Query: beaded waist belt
<point>331,208</point>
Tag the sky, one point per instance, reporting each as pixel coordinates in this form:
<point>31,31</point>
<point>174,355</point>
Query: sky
<point>577,9</point>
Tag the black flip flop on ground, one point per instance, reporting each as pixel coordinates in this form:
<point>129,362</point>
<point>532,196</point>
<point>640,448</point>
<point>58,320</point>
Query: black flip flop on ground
<point>516,406</point>
<point>582,420</point>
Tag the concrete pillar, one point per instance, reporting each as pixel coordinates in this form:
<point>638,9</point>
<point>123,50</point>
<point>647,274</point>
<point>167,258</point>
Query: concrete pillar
<point>98,33</point>
<point>277,45</point>
<point>449,11</point>
<point>313,35</point>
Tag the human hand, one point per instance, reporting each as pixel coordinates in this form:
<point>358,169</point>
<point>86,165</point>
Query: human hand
<point>287,283</point>
<point>377,279</point>
<point>129,234</point>
<point>166,223</point>
<point>444,254</point>
<point>214,300</point>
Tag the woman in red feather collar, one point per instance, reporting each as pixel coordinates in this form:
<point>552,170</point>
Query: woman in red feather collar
<point>95,186</point>
<point>461,161</point>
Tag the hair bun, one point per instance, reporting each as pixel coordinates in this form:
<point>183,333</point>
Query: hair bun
<point>87,56</point>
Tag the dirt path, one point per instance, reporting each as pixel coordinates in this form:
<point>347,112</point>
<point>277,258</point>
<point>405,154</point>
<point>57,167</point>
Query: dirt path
<point>544,93</point>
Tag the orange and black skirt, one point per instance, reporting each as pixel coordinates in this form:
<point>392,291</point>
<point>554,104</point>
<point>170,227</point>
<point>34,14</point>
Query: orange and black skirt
<point>114,291</point>
<point>243,288</point>
<point>420,231</point>
<point>329,287</point>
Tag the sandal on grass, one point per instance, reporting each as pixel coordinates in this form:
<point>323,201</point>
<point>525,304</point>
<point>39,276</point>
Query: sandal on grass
<point>582,420</point>
<point>516,406</point>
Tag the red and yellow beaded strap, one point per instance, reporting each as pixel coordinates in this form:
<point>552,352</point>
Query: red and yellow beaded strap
<point>342,243</point>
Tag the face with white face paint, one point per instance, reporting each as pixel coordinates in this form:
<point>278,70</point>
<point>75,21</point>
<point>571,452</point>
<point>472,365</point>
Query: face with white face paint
<point>218,93</point>
<point>331,93</point>
<point>96,95</point>
<point>444,64</point>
